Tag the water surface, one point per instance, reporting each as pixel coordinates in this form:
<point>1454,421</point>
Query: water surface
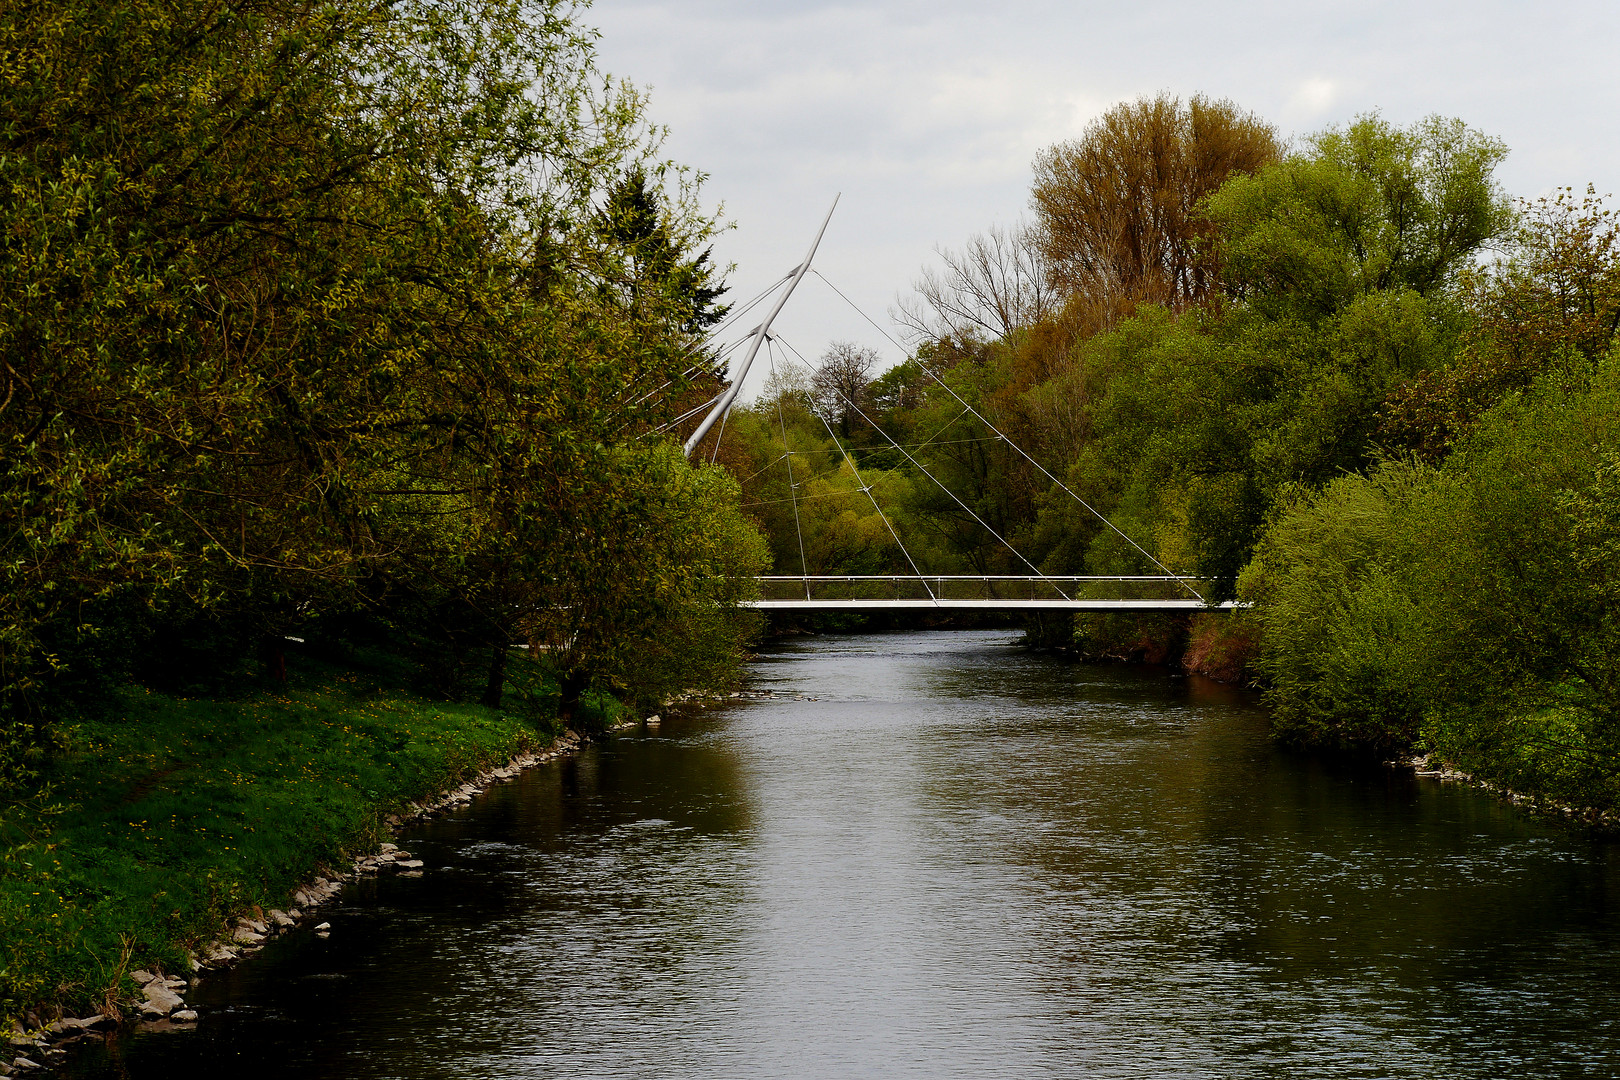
<point>940,855</point>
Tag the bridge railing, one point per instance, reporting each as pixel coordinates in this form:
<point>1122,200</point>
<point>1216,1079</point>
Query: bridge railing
<point>976,587</point>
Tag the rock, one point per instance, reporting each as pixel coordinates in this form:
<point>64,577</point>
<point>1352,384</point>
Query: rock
<point>411,873</point>
<point>160,1001</point>
<point>323,926</point>
<point>220,954</point>
<point>295,914</point>
<point>280,918</point>
<point>142,977</point>
<point>23,1063</point>
<point>175,984</point>
<point>253,924</point>
<point>185,1016</point>
<point>245,936</point>
<point>654,720</point>
<point>409,864</point>
<point>66,1029</point>
<point>98,1022</point>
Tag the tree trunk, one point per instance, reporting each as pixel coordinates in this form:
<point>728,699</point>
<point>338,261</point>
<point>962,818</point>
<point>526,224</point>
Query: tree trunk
<point>573,685</point>
<point>276,660</point>
<point>496,685</point>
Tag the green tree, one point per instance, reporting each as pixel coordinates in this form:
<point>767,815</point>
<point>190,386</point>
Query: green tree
<point>284,287</point>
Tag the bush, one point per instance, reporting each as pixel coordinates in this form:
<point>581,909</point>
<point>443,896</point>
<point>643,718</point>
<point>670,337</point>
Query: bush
<point>1469,608</point>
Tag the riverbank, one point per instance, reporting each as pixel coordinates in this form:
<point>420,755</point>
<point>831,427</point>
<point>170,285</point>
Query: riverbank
<point>1596,818</point>
<point>173,830</point>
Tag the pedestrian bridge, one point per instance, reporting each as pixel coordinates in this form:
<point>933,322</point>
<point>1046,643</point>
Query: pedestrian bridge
<point>985,593</point>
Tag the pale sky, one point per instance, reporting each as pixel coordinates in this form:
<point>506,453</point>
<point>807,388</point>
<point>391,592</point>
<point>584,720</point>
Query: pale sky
<point>926,114</point>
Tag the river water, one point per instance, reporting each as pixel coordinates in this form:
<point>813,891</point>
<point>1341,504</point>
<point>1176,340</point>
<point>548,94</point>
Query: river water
<point>940,855</point>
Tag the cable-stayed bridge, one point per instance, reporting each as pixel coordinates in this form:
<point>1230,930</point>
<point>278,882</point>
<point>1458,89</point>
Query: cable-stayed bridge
<point>1038,591</point>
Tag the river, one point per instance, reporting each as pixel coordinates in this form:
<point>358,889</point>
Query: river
<point>941,855</point>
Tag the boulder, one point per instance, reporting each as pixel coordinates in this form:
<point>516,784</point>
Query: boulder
<point>323,926</point>
<point>160,1000</point>
<point>409,864</point>
<point>280,918</point>
<point>142,976</point>
<point>23,1063</point>
<point>185,1016</point>
<point>98,1022</point>
<point>244,936</point>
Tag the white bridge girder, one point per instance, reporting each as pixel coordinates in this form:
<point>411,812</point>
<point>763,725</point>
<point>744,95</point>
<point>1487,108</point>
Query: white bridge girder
<point>980,592</point>
<point>1099,606</point>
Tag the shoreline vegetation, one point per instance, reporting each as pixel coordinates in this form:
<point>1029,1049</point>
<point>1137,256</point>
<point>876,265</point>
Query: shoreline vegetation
<point>184,832</point>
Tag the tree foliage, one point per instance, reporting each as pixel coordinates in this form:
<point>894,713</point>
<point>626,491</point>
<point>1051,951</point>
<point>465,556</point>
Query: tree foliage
<point>1119,207</point>
<point>313,306</point>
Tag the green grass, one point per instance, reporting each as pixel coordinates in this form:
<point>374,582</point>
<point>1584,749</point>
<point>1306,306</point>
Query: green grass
<point>171,815</point>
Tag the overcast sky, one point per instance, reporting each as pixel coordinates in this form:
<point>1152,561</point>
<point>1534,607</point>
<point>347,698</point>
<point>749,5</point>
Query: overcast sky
<point>926,114</point>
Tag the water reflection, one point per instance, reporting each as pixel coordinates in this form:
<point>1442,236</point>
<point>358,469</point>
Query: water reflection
<point>959,859</point>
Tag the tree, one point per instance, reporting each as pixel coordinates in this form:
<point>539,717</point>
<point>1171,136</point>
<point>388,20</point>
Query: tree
<point>839,385</point>
<point>285,288</point>
<point>1553,301</point>
<point>648,255</point>
<point>994,286</point>
<point>1118,209</point>
<point>1367,208</point>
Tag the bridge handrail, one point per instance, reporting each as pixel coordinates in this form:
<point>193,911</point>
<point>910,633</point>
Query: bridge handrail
<point>970,577</point>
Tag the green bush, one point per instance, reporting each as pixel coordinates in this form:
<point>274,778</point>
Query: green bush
<point>1468,608</point>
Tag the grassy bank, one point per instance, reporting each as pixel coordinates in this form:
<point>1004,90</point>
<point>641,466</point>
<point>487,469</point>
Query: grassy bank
<point>170,814</point>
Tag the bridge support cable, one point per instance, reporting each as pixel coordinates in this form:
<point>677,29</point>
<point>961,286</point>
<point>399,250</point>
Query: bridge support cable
<point>1027,457</point>
<point>867,489</point>
<point>941,484</point>
<point>723,407</point>
<point>689,413</point>
<point>725,324</point>
<point>793,488</point>
<point>732,316</point>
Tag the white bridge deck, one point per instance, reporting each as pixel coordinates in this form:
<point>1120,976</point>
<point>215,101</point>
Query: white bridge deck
<point>969,592</point>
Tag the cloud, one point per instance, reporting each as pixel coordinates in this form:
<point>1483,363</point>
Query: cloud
<point>1312,100</point>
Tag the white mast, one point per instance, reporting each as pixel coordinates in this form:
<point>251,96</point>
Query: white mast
<point>761,332</point>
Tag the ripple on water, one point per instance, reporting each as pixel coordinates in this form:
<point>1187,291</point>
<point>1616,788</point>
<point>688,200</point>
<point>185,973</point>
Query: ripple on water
<point>962,859</point>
